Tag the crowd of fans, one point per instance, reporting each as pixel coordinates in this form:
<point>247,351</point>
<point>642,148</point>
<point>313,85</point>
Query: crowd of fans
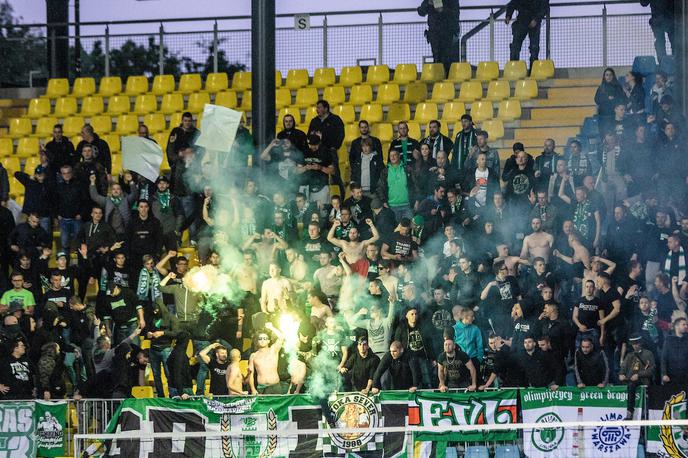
<point>440,267</point>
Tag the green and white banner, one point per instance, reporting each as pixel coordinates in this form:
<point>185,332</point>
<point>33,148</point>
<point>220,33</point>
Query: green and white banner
<point>50,420</point>
<point>575,405</point>
<point>667,402</point>
<point>17,438</point>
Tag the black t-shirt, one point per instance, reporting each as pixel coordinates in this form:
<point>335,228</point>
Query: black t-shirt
<point>455,369</point>
<point>401,244</point>
<point>589,311</point>
<point>311,248</point>
<point>16,374</point>
<point>665,306</point>
<point>628,306</point>
<point>316,179</point>
<point>52,297</point>
<point>606,300</point>
<point>218,380</point>
<point>504,295</point>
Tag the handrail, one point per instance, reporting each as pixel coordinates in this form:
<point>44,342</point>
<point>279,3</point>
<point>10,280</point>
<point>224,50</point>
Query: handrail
<point>289,15</point>
<point>474,31</point>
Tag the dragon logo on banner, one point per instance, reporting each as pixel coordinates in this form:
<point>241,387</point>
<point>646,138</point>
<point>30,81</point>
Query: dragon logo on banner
<point>248,445</point>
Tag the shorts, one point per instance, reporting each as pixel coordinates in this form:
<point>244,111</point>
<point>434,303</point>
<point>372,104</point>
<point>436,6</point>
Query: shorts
<point>360,267</point>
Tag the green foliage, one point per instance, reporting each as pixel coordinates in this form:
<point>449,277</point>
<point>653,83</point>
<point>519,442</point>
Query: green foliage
<point>22,51</point>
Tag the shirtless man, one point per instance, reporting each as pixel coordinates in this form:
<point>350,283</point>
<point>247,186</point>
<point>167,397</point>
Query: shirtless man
<point>235,379</point>
<point>580,253</point>
<point>538,244</point>
<point>389,281</point>
<point>263,362</point>
<point>273,289</point>
<point>246,275</point>
<point>353,249</point>
<point>511,262</point>
<point>598,264</point>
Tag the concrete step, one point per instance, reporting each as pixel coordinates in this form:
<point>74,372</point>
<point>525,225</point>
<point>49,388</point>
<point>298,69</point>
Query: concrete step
<point>545,132</point>
<point>561,102</point>
<point>561,122</point>
<point>586,93</point>
<point>570,82</point>
<point>562,113</point>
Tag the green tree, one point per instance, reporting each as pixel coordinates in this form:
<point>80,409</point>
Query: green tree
<point>22,51</point>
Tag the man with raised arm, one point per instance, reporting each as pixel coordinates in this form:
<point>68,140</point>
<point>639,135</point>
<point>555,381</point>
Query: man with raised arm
<point>263,362</point>
<point>354,249</point>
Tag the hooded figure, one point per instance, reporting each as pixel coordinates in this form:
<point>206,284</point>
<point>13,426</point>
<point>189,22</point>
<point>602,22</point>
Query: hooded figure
<point>51,372</point>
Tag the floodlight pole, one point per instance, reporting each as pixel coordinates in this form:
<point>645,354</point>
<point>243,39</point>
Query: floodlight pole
<point>263,71</point>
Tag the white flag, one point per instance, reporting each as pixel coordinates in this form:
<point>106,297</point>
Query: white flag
<point>218,128</point>
<point>141,155</point>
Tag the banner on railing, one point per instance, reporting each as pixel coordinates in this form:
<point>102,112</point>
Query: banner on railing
<point>414,411</point>
<point>575,405</point>
<point>32,427</point>
<point>667,402</point>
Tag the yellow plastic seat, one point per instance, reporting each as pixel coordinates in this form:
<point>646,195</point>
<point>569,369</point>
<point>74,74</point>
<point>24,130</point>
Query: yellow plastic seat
<point>20,127</point>
<point>57,87</point>
<point>443,91</point>
<point>432,72</point>
<point>293,111</point>
<point>377,74</point>
<point>6,146</point>
<point>226,99</point>
<point>425,112</point>
<point>405,73</point>
<point>452,112</point>
<point>282,97</point>
<point>481,110</point>
<point>351,132</point>
<point>361,94</point>
<point>216,82</point>
<point>44,127</point>
<point>444,129</point>
<point>161,139</point>
<point>65,106</point>
<point>176,120</point>
<point>526,89</point>
<point>119,104</point>
<point>371,112</point>
<point>197,102</point>
<point>145,103</point>
<point>334,95</point>
<point>487,71</point>
<point>12,164</point>
<point>92,105</point>
<point>136,85</point>
<point>278,78</point>
<point>542,69</point>
<point>115,143</point>
<point>31,163</point>
<point>172,103</point>
<point>72,125</point>
<point>16,189</point>
<point>414,129</point>
<point>38,108</point>
<point>155,122</point>
<point>241,81</point>
<point>163,84</point>
<point>416,93</point>
<point>470,91</point>
<point>515,70</point>
<point>346,112</point>
<point>460,72</point>
<point>27,146</point>
<point>84,87</point>
<point>388,93</point>
<point>350,76</point>
<point>311,113</point>
<point>296,78</point>
<point>306,96</point>
<point>127,124</point>
<point>509,110</point>
<point>110,85</point>
<point>190,82</point>
<point>102,124</point>
<point>498,90</point>
<point>323,77</point>
<point>494,128</point>
<point>246,101</point>
<point>383,131</point>
<point>398,112</point>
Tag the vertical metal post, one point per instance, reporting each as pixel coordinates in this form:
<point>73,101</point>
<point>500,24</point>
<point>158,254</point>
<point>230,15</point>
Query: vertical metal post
<point>492,36</point>
<point>161,51</point>
<point>263,71</point>
<point>325,41</point>
<point>380,36</point>
<point>107,50</point>
<point>77,39</point>
<point>548,37</point>
<point>53,55</point>
<point>604,36</point>
<point>216,47</point>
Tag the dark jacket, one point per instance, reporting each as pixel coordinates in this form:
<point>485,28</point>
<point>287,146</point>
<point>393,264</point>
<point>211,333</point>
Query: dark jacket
<point>29,239</point>
<point>591,369</point>
<point>172,218</point>
<point>607,96</point>
<point>179,138</point>
<point>383,185</point>
<point>296,137</point>
<point>402,335</point>
<point>442,142</point>
<point>537,368</point>
<point>331,128</point>
<point>463,142</point>
<point>96,236</point>
<point>361,369</point>
<point>355,149</point>
<point>60,153</point>
<point>404,372</point>
<point>376,166</point>
<point>68,197</point>
<point>101,151</point>
<point>4,184</point>
<point>528,10</point>
<point>18,375</point>
<point>145,236</point>
<point>36,195</point>
<point>84,169</point>
<point>123,307</point>
<point>675,358</point>
<point>660,10</point>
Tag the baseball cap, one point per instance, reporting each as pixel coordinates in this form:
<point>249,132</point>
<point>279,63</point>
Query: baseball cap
<point>39,170</point>
<point>60,254</point>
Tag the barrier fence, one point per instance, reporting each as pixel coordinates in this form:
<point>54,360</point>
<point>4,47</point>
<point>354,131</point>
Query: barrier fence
<point>388,37</point>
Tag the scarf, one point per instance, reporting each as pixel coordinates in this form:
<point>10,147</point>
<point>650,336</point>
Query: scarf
<point>116,200</point>
<point>149,285</point>
<point>164,200</point>
<point>463,144</point>
<point>681,264</point>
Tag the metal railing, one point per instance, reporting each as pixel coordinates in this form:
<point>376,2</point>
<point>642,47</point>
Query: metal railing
<point>396,36</point>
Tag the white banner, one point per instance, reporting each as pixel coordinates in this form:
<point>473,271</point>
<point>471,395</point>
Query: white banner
<point>141,155</point>
<point>218,128</point>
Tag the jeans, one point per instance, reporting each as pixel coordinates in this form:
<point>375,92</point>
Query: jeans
<point>69,228</point>
<point>660,27</point>
<point>157,358</point>
<point>45,223</point>
<point>593,334</point>
<point>199,345</point>
<point>73,365</point>
<point>520,31</point>
<point>189,208</point>
<point>122,331</point>
<point>403,211</point>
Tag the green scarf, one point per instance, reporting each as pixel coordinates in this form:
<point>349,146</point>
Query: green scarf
<point>116,200</point>
<point>164,199</point>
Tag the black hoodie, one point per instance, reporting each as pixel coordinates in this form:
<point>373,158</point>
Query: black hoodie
<point>145,236</point>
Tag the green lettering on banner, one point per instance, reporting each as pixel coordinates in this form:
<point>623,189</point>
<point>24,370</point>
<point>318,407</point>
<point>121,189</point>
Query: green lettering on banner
<point>17,430</point>
<point>50,419</point>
